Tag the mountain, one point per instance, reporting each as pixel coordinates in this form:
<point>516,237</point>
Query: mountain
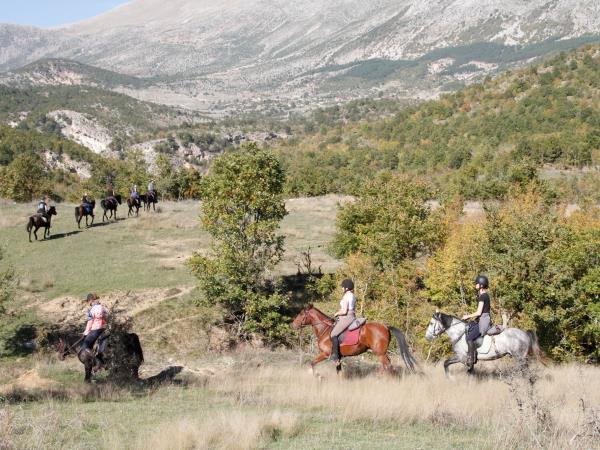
<point>246,51</point>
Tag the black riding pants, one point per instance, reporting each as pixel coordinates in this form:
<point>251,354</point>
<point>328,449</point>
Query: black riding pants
<point>95,335</point>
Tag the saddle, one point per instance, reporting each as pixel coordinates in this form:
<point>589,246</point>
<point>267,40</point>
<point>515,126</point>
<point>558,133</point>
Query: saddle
<point>111,201</point>
<point>485,343</point>
<point>43,217</point>
<point>351,335</point>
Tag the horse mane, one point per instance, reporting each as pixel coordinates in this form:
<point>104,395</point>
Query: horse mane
<point>447,319</point>
<point>322,313</point>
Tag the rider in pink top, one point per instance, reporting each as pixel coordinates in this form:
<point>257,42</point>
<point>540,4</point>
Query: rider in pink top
<point>95,326</point>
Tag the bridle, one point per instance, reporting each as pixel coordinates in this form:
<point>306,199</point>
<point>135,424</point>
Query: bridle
<point>321,322</point>
<point>438,331</point>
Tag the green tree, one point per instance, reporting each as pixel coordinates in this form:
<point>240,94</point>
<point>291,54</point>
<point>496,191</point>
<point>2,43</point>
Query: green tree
<point>391,221</point>
<point>25,178</point>
<point>241,209</point>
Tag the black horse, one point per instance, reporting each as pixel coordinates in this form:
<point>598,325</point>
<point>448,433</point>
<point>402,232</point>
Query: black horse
<point>133,203</point>
<point>110,204</point>
<point>123,356</point>
<point>38,221</point>
<point>80,212</point>
<point>149,198</point>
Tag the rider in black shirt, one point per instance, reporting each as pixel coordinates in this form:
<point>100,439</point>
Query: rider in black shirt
<point>483,315</point>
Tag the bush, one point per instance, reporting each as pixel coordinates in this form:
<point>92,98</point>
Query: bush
<point>241,209</point>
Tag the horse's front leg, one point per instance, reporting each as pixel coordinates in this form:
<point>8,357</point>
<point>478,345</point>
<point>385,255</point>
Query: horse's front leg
<point>452,360</point>
<point>320,358</point>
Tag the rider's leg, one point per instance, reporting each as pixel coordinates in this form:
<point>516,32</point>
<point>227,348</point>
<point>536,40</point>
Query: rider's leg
<point>471,346</point>
<point>335,348</point>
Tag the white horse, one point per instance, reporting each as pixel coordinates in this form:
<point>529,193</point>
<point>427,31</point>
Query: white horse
<point>517,343</point>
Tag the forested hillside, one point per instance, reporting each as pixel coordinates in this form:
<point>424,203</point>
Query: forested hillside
<point>533,123</point>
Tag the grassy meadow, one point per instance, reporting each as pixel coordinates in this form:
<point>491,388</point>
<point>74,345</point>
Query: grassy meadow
<point>196,394</point>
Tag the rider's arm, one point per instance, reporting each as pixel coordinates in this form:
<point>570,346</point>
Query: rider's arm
<point>477,314</point>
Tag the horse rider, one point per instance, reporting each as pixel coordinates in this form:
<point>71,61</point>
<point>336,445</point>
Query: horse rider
<point>483,324</point>
<point>134,192</point>
<point>86,202</point>
<point>345,317</point>
<point>97,316</point>
<point>42,208</point>
<point>151,191</point>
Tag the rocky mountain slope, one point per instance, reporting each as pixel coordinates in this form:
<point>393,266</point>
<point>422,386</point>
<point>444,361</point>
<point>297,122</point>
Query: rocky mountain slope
<point>244,50</point>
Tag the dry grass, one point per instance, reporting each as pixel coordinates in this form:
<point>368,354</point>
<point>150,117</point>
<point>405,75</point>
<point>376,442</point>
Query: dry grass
<point>264,399</point>
<point>224,430</point>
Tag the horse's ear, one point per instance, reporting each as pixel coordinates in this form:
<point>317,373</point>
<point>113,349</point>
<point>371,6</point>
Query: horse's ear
<point>309,306</point>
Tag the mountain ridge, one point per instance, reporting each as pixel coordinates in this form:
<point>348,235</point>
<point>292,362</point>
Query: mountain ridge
<point>238,51</point>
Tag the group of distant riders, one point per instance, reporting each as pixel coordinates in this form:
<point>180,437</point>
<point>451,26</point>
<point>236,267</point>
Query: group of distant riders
<point>86,200</point>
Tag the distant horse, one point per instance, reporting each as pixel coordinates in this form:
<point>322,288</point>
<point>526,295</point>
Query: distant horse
<point>38,221</point>
<point>373,336</point>
<point>517,343</point>
<point>80,212</point>
<point>133,203</point>
<point>149,198</point>
<point>110,204</point>
<point>123,356</point>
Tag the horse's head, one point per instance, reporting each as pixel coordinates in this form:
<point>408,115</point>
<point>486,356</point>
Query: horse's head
<point>436,326</point>
<point>303,318</point>
<point>52,211</point>
<point>119,198</point>
<point>93,204</point>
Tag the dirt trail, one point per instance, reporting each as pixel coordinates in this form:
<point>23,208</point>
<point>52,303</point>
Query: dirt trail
<point>69,309</point>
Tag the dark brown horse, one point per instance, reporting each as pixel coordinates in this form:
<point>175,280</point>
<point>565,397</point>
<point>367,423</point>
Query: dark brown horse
<point>81,212</point>
<point>110,204</point>
<point>38,221</point>
<point>133,203</point>
<point>149,198</point>
<point>373,336</point>
<point>124,356</point>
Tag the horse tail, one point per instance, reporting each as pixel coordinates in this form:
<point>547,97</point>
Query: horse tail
<point>404,349</point>
<point>137,347</point>
<point>77,212</point>
<point>30,224</point>
<point>534,347</point>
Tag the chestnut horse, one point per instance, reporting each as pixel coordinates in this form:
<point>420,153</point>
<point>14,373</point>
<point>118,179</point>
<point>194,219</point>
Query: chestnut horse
<point>373,336</point>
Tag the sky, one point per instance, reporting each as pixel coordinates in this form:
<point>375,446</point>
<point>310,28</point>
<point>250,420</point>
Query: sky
<point>50,13</point>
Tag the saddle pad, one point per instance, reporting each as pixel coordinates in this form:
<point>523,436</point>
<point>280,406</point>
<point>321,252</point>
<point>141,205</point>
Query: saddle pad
<point>351,337</point>
<point>485,346</point>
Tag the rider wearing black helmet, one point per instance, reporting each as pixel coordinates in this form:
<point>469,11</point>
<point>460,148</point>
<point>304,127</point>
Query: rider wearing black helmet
<point>483,315</point>
<point>345,317</point>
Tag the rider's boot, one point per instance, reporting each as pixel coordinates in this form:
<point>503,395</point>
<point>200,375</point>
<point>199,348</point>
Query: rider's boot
<point>335,349</point>
<point>471,354</point>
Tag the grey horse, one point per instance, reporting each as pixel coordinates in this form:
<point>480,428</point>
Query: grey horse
<point>517,343</point>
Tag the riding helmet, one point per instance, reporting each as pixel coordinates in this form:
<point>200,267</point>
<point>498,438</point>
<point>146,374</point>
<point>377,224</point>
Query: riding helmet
<point>483,281</point>
<point>91,297</point>
<point>348,284</point>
